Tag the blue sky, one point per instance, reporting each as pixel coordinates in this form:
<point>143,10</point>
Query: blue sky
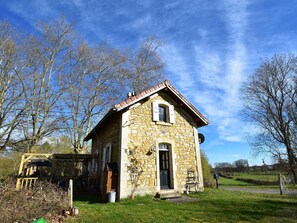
<point>211,46</point>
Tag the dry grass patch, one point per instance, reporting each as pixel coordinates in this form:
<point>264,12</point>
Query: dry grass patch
<point>44,200</point>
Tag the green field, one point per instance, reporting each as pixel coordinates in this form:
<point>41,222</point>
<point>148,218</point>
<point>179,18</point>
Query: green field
<point>232,182</point>
<point>259,179</point>
<point>211,206</point>
<point>262,176</point>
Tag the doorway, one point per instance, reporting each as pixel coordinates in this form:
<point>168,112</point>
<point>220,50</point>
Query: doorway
<point>164,163</point>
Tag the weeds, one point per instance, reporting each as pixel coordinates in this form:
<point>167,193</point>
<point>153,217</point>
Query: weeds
<point>44,200</point>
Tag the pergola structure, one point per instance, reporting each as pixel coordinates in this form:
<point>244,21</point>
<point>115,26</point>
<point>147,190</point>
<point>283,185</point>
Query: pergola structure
<point>59,169</point>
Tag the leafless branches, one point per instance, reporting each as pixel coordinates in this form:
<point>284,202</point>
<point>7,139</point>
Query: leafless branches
<point>11,90</point>
<point>91,87</point>
<point>145,65</point>
<point>44,56</point>
<point>270,102</point>
<point>54,81</point>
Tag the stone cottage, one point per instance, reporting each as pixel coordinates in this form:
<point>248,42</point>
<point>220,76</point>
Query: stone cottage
<point>152,139</point>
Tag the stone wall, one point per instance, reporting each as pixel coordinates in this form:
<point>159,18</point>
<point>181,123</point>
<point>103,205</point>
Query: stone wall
<point>109,134</point>
<point>133,129</point>
<point>145,135</point>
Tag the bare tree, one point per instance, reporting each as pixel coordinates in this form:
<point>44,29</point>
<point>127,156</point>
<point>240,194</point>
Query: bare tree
<point>54,81</point>
<point>11,106</point>
<point>241,165</point>
<point>57,145</point>
<point>45,65</point>
<point>224,167</point>
<point>145,66</point>
<point>270,102</point>
<point>97,79</point>
<point>91,88</point>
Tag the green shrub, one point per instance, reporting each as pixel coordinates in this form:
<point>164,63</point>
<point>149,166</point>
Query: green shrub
<point>9,164</point>
<point>206,170</point>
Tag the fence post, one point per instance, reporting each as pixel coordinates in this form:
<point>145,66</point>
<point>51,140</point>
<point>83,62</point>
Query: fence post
<point>70,192</point>
<point>280,184</point>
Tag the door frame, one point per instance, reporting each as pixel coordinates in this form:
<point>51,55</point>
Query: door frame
<point>167,170</point>
<point>172,166</point>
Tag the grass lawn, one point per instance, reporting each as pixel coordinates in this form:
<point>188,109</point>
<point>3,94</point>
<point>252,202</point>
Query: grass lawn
<point>237,183</point>
<point>271,176</point>
<point>262,176</point>
<point>232,182</point>
<point>212,206</point>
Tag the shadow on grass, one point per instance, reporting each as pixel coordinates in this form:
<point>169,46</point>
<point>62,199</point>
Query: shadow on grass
<point>262,211</point>
<point>90,199</point>
<point>280,205</point>
<point>248,207</point>
<point>274,209</point>
<point>213,206</point>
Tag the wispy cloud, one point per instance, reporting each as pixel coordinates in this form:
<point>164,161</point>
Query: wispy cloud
<point>33,11</point>
<point>222,73</point>
<point>209,66</point>
<point>210,70</point>
<point>177,66</point>
<point>206,69</point>
<point>210,46</point>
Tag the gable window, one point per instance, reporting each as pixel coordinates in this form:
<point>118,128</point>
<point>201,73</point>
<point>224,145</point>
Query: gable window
<point>163,112</point>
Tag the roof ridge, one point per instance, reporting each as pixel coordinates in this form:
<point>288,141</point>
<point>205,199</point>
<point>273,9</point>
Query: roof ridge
<point>150,91</point>
<point>142,94</point>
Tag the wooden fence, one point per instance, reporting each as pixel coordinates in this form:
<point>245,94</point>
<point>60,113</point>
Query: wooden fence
<point>26,182</point>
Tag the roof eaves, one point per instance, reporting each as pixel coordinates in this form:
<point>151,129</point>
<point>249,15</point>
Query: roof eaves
<point>90,134</point>
<point>186,102</point>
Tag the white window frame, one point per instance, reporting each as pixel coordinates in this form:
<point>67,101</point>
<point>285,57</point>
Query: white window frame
<point>169,111</point>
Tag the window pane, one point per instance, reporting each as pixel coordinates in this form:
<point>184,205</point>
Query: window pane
<point>163,147</point>
<point>162,114</point>
<point>107,158</point>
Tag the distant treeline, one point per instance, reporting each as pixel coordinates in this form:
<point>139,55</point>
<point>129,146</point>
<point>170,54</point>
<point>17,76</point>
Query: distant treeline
<point>232,168</point>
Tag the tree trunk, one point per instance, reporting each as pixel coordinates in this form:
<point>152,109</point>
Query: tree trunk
<point>292,163</point>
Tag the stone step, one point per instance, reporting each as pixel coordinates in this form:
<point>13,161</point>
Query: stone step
<point>167,194</point>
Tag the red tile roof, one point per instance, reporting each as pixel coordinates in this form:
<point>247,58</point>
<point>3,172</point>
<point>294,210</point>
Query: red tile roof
<point>131,100</point>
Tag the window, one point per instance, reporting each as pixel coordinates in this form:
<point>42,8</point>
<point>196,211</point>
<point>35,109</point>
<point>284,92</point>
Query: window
<point>163,112</point>
<point>106,156</point>
<point>93,165</point>
<point>163,147</point>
